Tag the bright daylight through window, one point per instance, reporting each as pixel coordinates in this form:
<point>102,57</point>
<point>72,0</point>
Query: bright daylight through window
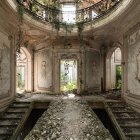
<point>68,11</point>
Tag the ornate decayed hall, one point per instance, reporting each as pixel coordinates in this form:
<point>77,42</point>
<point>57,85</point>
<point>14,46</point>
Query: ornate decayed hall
<point>69,69</point>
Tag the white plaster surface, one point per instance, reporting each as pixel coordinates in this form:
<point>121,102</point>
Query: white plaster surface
<point>44,69</point>
<point>92,69</point>
<point>133,52</point>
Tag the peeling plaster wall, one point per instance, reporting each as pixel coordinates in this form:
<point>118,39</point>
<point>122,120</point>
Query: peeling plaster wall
<point>133,64</point>
<point>43,70</point>
<point>47,67</point>
<point>132,58</point>
<point>93,77</point>
<point>4,66</point>
<point>7,84</point>
<point>7,58</point>
<point>134,68</point>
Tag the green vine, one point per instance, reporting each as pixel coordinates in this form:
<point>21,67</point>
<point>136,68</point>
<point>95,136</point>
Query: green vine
<point>56,25</point>
<point>68,27</point>
<point>80,27</point>
<point>20,11</point>
<point>20,34</point>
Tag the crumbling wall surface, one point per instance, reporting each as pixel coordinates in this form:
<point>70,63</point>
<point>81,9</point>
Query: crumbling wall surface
<point>93,77</point>
<point>43,70</point>
<point>6,61</point>
<point>4,66</point>
<point>132,59</point>
<point>134,64</point>
<point>68,119</point>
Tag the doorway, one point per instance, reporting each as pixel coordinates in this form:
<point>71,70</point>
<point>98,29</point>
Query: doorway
<point>21,78</point>
<point>23,71</point>
<point>68,75</point>
<point>114,69</point>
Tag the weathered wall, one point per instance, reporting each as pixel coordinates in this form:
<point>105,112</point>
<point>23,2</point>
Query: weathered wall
<point>7,84</point>
<point>7,57</point>
<point>4,66</point>
<point>132,59</point>
<point>47,67</point>
<point>43,70</point>
<point>134,67</point>
<point>93,77</point>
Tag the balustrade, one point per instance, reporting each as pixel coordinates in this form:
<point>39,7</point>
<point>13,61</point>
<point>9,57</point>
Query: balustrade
<point>53,14</point>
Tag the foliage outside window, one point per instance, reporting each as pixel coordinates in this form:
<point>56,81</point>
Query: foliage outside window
<point>118,76</point>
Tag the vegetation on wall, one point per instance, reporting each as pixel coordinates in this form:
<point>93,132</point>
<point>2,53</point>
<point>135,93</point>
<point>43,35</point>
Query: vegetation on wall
<point>20,34</point>
<point>80,27</point>
<point>20,11</point>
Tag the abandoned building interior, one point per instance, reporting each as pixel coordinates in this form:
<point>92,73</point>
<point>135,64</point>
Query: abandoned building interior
<point>69,69</point>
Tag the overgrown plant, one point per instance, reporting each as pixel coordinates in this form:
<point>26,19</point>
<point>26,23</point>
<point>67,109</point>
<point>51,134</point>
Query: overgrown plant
<point>20,11</point>
<point>80,27</point>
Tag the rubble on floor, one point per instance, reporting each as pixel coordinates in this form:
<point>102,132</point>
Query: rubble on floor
<point>69,120</point>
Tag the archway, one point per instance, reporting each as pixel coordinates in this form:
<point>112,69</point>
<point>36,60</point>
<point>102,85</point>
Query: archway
<point>23,71</point>
<point>114,69</point>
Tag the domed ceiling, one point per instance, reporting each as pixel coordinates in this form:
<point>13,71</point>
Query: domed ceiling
<point>79,3</point>
<point>87,14</point>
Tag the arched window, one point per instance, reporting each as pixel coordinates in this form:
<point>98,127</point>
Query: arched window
<point>23,71</point>
<point>114,69</point>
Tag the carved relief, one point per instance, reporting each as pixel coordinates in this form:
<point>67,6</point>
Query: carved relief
<point>44,67</point>
<point>43,70</point>
<point>69,56</point>
<point>94,72</point>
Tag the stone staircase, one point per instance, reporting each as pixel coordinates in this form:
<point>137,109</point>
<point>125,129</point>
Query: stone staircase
<point>13,119</point>
<point>125,119</point>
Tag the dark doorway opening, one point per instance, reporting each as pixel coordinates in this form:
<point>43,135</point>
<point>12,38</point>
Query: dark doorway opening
<point>31,121</point>
<point>105,119</point>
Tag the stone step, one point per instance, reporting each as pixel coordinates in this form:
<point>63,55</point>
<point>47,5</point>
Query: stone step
<point>133,134</point>
<point>20,102</point>
<point>8,115</point>
<point>4,137</point>
<point>124,111</point>
<point>116,103</point>
<point>18,113</point>
<point>130,126</point>
<point>117,107</point>
<point>16,110</point>
<point>127,118</point>
<point>7,131</point>
<point>10,118</point>
<point>19,106</point>
<point>9,122</point>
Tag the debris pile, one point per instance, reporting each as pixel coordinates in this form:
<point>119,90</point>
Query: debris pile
<point>69,120</point>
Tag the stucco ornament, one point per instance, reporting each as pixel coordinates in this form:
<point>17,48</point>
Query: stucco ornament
<point>138,65</point>
<point>43,70</point>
